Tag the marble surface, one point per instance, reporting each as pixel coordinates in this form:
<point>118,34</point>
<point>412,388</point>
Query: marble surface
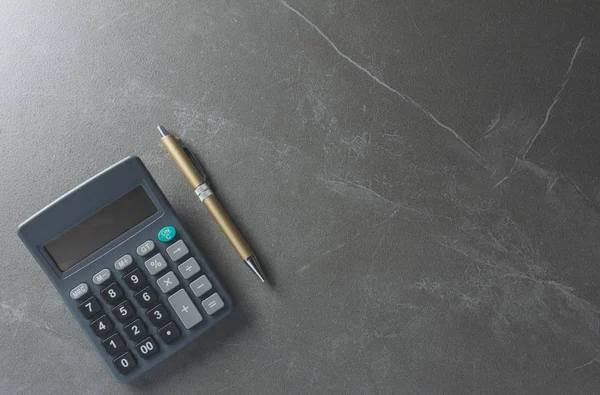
<point>419,179</point>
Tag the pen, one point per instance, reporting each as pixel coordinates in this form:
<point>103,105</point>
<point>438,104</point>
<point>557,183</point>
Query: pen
<point>196,176</point>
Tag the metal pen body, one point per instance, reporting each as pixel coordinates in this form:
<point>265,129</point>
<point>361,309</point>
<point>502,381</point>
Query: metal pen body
<point>194,174</point>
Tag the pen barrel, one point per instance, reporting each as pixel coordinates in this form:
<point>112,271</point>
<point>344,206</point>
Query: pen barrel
<point>183,161</point>
<point>227,226</point>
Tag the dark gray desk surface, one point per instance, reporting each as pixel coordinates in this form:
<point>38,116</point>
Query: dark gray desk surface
<point>418,177</point>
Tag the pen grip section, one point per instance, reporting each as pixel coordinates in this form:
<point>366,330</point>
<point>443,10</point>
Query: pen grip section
<point>227,226</point>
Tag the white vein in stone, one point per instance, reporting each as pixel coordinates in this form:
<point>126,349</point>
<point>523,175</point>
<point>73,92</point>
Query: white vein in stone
<point>403,96</point>
<point>566,78</point>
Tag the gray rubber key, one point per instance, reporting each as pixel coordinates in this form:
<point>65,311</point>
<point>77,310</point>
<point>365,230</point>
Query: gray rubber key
<point>168,282</point>
<point>177,250</point>
<point>200,286</point>
<point>123,262</point>
<point>189,268</point>
<point>79,291</point>
<point>101,277</point>
<point>185,309</point>
<point>212,304</point>
<point>155,264</point>
<point>146,248</point>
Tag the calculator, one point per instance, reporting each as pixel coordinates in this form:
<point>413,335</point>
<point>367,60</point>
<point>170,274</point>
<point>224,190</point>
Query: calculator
<point>132,276</point>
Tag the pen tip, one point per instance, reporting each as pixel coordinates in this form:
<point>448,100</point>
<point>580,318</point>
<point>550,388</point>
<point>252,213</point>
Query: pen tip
<point>253,264</point>
<point>162,130</point>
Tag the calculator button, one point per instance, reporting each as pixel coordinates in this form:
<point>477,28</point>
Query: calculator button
<point>90,307</point>
<point>189,268</point>
<point>200,286</point>
<point>136,330</point>
<point>135,280</point>
<point>177,250</point>
<point>123,311</point>
<point>185,309</point>
<point>155,264</point>
<point>158,316</point>
<point>146,297</point>
<point>147,347</point>
<point>166,234</point>
<point>123,262</point>
<point>212,304</point>
<point>168,282</point>
<point>112,293</point>
<point>79,291</point>
<point>113,344</point>
<point>101,276</point>
<point>102,326</point>
<point>145,248</point>
<point>169,332</point>
<point>125,363</point>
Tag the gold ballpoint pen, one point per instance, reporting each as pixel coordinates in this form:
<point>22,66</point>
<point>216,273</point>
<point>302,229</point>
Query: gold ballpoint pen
<point>195,175</point>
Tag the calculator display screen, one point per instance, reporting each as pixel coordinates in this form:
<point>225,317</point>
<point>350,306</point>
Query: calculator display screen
<point>100,228</point>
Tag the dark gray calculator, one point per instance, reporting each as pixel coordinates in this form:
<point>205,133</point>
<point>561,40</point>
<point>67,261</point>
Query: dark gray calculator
<point>131,275</point>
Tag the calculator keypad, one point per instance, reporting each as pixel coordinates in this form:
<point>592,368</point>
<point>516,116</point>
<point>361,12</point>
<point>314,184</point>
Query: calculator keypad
<point>147,347</point>
<point>200,286</point>
<point>156,264</point>
<point>125,363</point>
<point>102,326</point>
<point>189,268</point>
<point>146,297</point>
<point>158,316</point>
<point>185,309</point>
<point>123,262</point>
<point>168,282</point>
<point>136,330</point>
<point>79,291</point>
<point>212,304</point>
<point>132,339</point>
<point>177,250</point>
<point>101,277</point>
<point>112,294</point>
<point>135,280</point>
<point>145,248</point>
<point>90,307</point>
<point>169,333</point>
<point>123,311</point>
<point>113,344</point>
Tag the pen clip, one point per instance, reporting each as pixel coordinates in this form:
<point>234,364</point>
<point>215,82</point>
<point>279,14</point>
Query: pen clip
<point>194,160</point>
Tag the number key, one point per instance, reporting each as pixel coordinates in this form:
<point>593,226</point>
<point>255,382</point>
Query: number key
<point>136,330</point>
<point>135,280</point>
<point>112,293</point>
<point>123,311</point>
<point>146,297</point>
<point>125,363</point>
<point>90,307</point>
<point>158,316</point>
<point>147,347</point>
<point>102,326</point>
<point>113,344</point>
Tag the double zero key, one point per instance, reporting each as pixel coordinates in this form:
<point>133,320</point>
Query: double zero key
<point>147,347</point>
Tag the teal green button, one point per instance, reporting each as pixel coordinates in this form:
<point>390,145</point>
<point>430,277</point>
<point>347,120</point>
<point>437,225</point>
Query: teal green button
<point>167,234</point>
